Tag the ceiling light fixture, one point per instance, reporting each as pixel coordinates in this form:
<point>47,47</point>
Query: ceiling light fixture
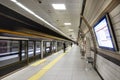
<point>59,6</point>
<point>67,24</point>
<point>34,14</point>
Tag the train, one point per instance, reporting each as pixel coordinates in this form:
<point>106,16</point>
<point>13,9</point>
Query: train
<point>10,50</point>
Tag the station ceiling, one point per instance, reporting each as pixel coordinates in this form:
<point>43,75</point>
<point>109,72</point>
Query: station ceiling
<point>57,18</point>
<point>42,12</point>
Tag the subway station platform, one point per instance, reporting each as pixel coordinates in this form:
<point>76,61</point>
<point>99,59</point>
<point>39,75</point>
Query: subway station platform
<point>59,66</point>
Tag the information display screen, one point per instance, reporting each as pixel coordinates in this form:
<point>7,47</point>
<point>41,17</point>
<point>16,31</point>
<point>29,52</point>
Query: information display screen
<point>104,34</point>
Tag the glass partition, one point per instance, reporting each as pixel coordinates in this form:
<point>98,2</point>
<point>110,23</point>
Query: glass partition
<point>38,45</point>
<point>30,48</point>
<point>9,50</point>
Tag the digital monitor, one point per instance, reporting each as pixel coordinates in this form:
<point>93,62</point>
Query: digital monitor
<point>104,34</point>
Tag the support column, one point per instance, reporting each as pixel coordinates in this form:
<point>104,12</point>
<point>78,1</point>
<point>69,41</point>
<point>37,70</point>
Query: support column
<point>9,46</point>
<point>41,49</point>
<point>20,50</point>
<point>34,47</point>
<point>26,51</point>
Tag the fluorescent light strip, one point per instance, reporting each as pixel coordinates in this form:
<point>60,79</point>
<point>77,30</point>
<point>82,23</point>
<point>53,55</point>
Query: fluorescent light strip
<point>13,38</point>
<point>31,12</point>
<point>59,6</point>
<point>67,23</point>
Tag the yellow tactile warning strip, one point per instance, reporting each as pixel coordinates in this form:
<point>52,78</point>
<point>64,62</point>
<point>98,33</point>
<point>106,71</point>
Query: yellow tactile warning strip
<point>47,67</point>
<point>38,62</point>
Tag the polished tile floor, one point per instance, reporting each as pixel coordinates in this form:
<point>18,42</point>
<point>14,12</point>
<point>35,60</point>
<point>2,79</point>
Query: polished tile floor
<point>59,66</point>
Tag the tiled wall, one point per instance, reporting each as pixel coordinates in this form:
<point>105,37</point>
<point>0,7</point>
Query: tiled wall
<point>115,18</point>
<point>107,69</point>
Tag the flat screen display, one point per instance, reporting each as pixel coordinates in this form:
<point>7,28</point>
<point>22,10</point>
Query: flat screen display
<point>104,34</point>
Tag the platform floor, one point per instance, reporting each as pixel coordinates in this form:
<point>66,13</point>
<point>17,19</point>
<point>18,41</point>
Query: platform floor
<point>59,66</point>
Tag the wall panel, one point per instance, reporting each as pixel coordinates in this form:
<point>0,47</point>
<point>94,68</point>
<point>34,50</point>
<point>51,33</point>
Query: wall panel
<point>108,69</point>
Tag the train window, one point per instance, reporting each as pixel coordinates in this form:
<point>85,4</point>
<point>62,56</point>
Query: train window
<point>59,45</point>
<point>8,51</point>
<point>38,47</point>
<point>14,46</point>
<point>47,44</point>
<point>23,50</point>
<point>48,47</point>
<point>53,46</point>
<point>30,48</point>
<point>3,46</point>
